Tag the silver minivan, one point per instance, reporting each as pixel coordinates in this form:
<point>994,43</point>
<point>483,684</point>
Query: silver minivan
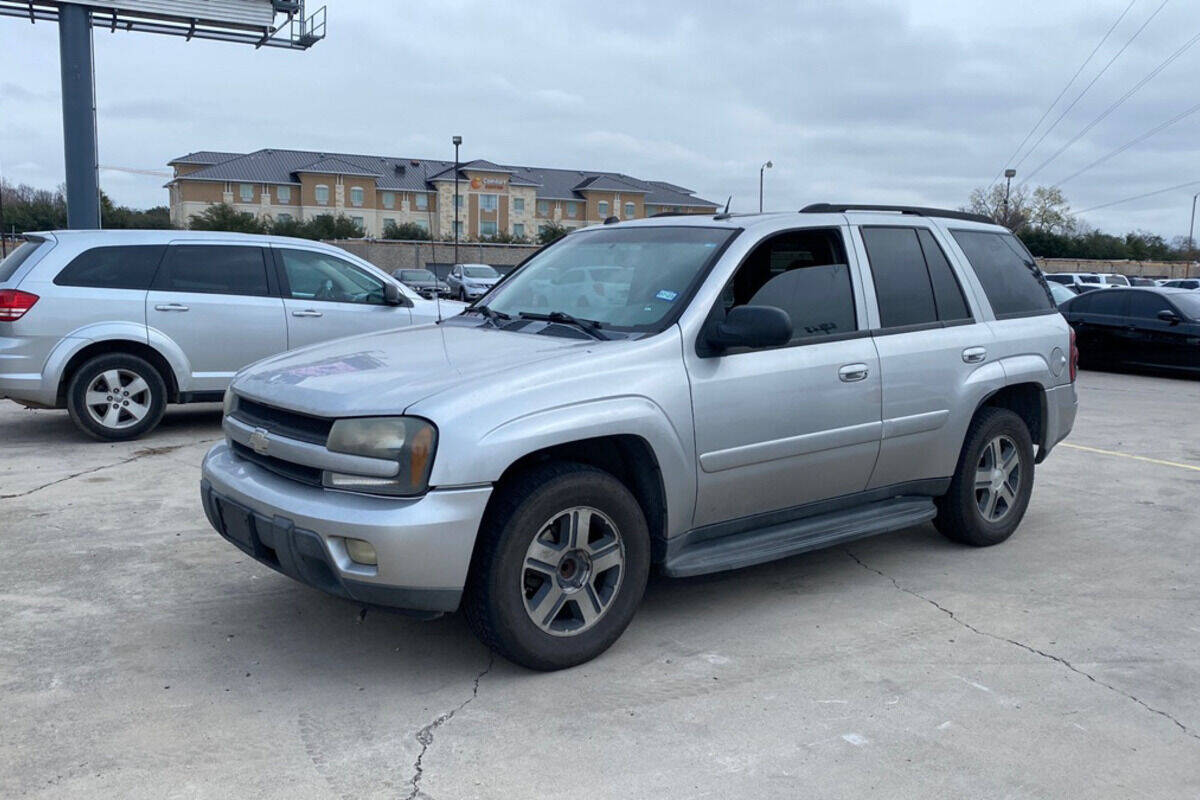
<point>113,325</point>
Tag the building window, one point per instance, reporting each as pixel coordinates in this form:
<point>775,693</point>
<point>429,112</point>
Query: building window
<point>283,194</point>
<point>246,192</point>
<point>488,202</point>
<point>458,229</point>
<point>487,228</point>
<point>358,223</point>
<point>572,210</point>
<point>283,217</point>
<point>356,196</point>
<point>388,221</point>
<point>602,209</point>
<point>422,202</point>
<point>423,224</point>
<point>543,208</point>
<point>519,230</point>
<point>629,211</point>
<point>389,200</point>
<point>321,194</point>
<point>518,204</point>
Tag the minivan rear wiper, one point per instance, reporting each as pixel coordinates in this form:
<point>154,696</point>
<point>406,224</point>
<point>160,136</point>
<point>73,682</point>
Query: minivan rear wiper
<point>588,326</point>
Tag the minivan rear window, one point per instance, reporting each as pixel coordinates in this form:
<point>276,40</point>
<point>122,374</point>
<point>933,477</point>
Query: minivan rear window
<point>17,257</point>
<point>119,267</point>
<point>1011,279</point>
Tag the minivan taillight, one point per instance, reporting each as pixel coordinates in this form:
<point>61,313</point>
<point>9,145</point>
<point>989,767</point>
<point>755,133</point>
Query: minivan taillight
<point>1074,356</point>
<point>14,304</point>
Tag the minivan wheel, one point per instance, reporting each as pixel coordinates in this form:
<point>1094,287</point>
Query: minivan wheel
<point>560,566</point>
<point>993,482</point>
<point>116,396</point>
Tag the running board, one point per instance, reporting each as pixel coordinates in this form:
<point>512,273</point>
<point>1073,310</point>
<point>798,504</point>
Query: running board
<point>797,536</point>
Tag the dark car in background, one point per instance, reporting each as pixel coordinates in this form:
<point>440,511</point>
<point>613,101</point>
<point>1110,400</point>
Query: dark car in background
<point>423,282</point>
<point>1146,328</point>
<point>1191,284</point>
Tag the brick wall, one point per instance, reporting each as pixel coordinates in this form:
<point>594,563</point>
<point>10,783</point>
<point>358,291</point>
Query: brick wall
<point>391,255</point>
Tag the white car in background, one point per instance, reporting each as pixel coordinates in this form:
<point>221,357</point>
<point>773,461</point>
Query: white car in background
<point>471,281</point>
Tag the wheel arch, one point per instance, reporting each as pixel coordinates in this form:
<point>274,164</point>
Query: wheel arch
<point>89,351</point>
<point>1028,401</point>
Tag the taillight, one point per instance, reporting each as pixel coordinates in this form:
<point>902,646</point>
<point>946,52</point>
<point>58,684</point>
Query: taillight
<point>1074,357</point>
<point>14,304</point>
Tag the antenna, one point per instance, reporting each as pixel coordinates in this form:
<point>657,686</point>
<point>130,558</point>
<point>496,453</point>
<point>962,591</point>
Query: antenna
<point>727,202</point>
<point>725,214</point>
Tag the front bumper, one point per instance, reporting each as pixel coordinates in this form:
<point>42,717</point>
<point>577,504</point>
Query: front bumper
<point>423,545</point>
<point>1062,403</point>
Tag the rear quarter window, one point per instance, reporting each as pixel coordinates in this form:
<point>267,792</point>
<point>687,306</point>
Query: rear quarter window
<point>122,267</point>
<point>1011,279</point>
<point>18,256</point>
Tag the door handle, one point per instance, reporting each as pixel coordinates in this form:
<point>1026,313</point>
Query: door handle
<point>853,372</point>
<point>170,307</point>
<point>974,355</point>
<point>308,312</point>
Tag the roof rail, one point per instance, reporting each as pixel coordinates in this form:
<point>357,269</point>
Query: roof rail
<point>679,214</point>
<point>916,211</point>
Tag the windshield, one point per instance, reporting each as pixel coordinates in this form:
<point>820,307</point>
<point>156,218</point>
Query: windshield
<point>416,275</point>
<point>1188,304</point>
<point>625,278</point>
<point>480,271</point>
<point>1061,293</point>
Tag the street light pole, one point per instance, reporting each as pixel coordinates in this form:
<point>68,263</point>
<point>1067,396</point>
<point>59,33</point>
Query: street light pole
<point>457,141</point>
<point>1192,226</point>
<point>1009,174</point>
<point>765,166</point>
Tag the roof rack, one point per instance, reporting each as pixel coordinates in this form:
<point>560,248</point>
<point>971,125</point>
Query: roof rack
<point>916,211</point>
<point>679,214</point>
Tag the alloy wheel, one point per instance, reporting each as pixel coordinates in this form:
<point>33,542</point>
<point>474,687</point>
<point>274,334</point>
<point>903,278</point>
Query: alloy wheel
<point>997,478</point>
<point>572,571</point>
<point>118,398</point>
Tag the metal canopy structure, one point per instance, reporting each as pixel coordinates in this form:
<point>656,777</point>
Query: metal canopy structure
<point>250,22</point>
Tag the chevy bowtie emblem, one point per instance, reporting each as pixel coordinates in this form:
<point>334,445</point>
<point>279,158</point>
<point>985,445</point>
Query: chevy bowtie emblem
<point>260,441</point>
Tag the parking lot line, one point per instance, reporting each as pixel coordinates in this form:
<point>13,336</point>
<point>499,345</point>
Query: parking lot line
<point>1130,455</point>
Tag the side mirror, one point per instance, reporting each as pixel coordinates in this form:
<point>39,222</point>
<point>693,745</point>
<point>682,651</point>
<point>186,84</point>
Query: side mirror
<point>1168,316</point>
<point>751,326</point>
<point>392,295</point>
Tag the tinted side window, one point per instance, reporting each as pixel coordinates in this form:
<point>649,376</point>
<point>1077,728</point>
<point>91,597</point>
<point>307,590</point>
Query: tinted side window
<point>1112,302</point>
<point>17,257</point>
<point>951,305</point>
<point>901,279</point>
<point>804,273</point>
<point>213,269</point>
<point>1011,279</point>
<point>127,267</point>
<point>320,276</point>
<point>1145,305</point>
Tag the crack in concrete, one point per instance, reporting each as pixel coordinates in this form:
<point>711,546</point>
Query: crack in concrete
<point>425,735</point>
<point>1029,648</point>
<point>143,453</point>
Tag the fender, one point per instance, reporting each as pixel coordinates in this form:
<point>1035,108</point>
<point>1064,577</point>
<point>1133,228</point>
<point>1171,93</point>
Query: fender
<point>76,340</point>
<point>634,415</point>
<point>1027,368</point>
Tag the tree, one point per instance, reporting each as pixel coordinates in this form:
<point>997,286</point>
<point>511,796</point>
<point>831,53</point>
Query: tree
<point>289,227</point>
<point>224,217</point>
<point>551,232</point>
<point>405,230</point>
<point>990,202</point>
<point>1049,211</point>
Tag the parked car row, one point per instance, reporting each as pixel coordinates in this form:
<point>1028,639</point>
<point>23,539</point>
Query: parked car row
<point>1141,327</point>
<point>1080,282</point>
<point>113,325</point>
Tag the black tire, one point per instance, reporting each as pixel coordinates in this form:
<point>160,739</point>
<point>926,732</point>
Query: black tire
<point>462,295</point>
<point>496,588</point>
<point>153,397</point>
<point>960,517</point>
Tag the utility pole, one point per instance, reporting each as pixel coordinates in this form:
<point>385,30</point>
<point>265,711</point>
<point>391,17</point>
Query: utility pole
<point>457,141</point>
<point>79,115</point>
<point>765,166</point>
<point>1192,226</point>
<point>1009,174</point>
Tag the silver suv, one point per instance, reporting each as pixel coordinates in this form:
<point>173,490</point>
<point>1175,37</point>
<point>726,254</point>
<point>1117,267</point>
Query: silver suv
<point>761,386</point>
<point>113,325</point>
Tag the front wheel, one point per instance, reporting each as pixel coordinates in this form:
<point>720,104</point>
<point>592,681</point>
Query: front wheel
<point>560,568</point>
<point>993,482</point>
<point>116,396</point>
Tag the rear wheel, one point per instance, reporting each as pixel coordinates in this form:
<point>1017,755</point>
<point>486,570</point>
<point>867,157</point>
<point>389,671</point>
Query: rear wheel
<point>116,396</point>
<point>560,567</point>
<point>993,482</point>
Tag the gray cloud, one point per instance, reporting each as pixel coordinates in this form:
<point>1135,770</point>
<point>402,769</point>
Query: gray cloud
<point>877,101</point>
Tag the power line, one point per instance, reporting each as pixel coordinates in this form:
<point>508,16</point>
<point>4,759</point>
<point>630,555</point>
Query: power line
<point>1140,196</point>
<point>1137,139</point>
<point>1053,103</point>
<point>1132,91</point>
<point>1091,83</point>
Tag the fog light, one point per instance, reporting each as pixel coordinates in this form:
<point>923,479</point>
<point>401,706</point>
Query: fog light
<point>361,552</point>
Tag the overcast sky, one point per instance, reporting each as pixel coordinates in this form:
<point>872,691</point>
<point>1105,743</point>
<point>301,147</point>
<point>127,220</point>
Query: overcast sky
<point>887,102</point>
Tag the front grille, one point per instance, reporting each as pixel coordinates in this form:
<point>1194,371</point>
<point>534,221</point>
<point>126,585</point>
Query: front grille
<point>285,469</point>
<point>289,424</point>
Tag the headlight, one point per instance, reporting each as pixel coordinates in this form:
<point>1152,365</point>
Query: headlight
<point>409,441</point>
<point>230,402</point>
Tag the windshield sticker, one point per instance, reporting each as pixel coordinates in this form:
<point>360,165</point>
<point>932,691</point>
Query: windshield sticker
<point>667,294</point>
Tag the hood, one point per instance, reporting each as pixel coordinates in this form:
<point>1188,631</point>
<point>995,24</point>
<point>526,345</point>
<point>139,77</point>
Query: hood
<point>385,373</point>
<point>480,281</point>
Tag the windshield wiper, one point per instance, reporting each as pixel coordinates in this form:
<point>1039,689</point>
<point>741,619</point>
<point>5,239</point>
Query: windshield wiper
<point>588,326</point>
<point>492,315</point>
